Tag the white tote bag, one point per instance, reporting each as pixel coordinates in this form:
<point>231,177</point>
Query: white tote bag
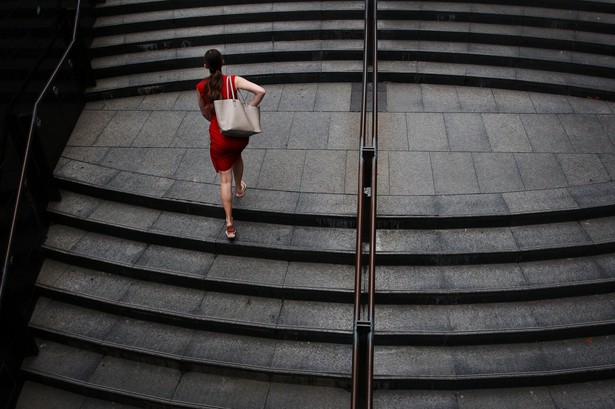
<point>235,117</point>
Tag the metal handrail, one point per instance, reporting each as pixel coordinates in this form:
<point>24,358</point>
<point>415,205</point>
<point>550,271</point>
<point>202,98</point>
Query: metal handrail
<point>363,342</point>
<point>26,158</point>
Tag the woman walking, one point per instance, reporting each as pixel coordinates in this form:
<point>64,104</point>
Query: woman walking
<point>225,151</point>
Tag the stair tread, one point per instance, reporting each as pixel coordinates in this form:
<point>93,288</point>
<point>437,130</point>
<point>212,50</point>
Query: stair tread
<point>155,383</point>
<point>204,229</point>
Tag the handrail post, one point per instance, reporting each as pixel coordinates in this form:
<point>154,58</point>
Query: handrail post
<point>363,340</point>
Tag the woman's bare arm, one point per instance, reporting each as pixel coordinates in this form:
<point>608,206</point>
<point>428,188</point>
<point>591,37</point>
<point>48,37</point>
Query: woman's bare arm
<point>258,91</point>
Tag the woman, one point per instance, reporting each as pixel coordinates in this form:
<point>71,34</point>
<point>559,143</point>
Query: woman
<point>225,151</point>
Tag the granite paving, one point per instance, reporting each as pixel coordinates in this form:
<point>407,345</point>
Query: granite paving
<point>490,151</point>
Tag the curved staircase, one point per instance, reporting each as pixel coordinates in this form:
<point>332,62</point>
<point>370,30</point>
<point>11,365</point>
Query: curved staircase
<point>496,252</point>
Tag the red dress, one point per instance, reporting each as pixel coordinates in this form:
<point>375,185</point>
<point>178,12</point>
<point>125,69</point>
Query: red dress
<point>224,150</point>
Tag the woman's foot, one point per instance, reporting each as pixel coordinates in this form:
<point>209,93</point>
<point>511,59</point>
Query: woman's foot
<point>240,193</point>
<point>230,232</point>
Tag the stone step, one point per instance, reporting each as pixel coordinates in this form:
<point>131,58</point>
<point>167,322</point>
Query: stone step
<point>589,395</point>
<point>330,244</point>
<point>148,385</point>
<point>396,324</point>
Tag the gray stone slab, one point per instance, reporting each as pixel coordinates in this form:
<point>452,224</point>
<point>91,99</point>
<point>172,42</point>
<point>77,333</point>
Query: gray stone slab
<point>320,238</point>
<point>478,240</point>
<point>590,395</point>
<point>248,270</point>
<point>109,248</point>
<point>63,237</point>
<point>407,205</point>
<point>410,241</point>
<point>163,297</point>
<point>310,130</point>
<point>51,271</point>
<point>332,97</point>
<point>316,315</point>
<point>593,195</point>
<point>540,171</point>
<point>440,98</point>
<point>582,169</point>
<point>257,199</point>
<point>573,311</point>
<point>283,396</point>
<point>63,360</point>
<point>589,106</point>
<point>160,102</point>
<point>93,283</point>
<point>34,396</point>
<point>86,172</point>
<point>600,230</point>
<point>561,271</point>
<point>412,319</point>
<point>231,350</point>
<point>410,173</point>
<point>506,133</point>
<point>137,183</point>
<point>176,260</point>
<point>415,399</point>
<point>196,166</point>
<point>608,123</point>
<point>471,205</point>
<point>154,161</point>
<point>193,132</point>
<point>240,308</point>
<point>413,361</point>
<point>587,134</point>
<point>73,320</point>
<point>528,398</point>
<point>75,204</point>
<point>102,404</point>
<point>129,376</point>
<point>498,359</point>
<point>513,101</point>
<point>404,98</point>
<point>473,99</point>
<point>186,225</point>
<point>282,170</point>
<point>493,317</point>
<point>344,130</point>
<point>329,358</point>
<point>122,214</point>
<point>186,101</point>
<point>550,104</point>
<point>466,132</point>
<point>454,173</point>
<point>549,236</point>
<point>492,276</point>
<point>159,130</point>
<point>123,128</point>
<point>579,353</point>
<point>275,128</point>
<point>608,161</point>
<point>85,153</point>
<point>150,336</point>
<point>298,97</point>
<point>219,391</point>
<point>426,132</point>
<point>392,133</point>
<point>409,278</point>
<point>89,126</point>
<point>324,171</point>
<point>497,172</point>
<point>316,275</point>
<point>327,204</point>
<point>539,200</point>
<point>546,133</point>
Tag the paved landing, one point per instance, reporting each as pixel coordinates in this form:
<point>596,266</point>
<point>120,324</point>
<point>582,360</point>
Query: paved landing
<point>442,150</point>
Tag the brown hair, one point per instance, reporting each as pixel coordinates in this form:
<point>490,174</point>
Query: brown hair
<point>213,60</point>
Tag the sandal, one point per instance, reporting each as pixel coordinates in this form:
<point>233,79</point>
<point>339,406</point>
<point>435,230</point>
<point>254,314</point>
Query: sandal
<point>230,232</point>
<point>243,189</point>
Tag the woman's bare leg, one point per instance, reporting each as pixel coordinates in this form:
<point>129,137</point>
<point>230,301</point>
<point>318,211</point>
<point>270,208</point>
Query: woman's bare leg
<point>238,175</point>
<point>226,193</point>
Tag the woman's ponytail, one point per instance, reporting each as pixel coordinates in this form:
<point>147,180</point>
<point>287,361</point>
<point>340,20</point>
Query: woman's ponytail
<point>213,60</point>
